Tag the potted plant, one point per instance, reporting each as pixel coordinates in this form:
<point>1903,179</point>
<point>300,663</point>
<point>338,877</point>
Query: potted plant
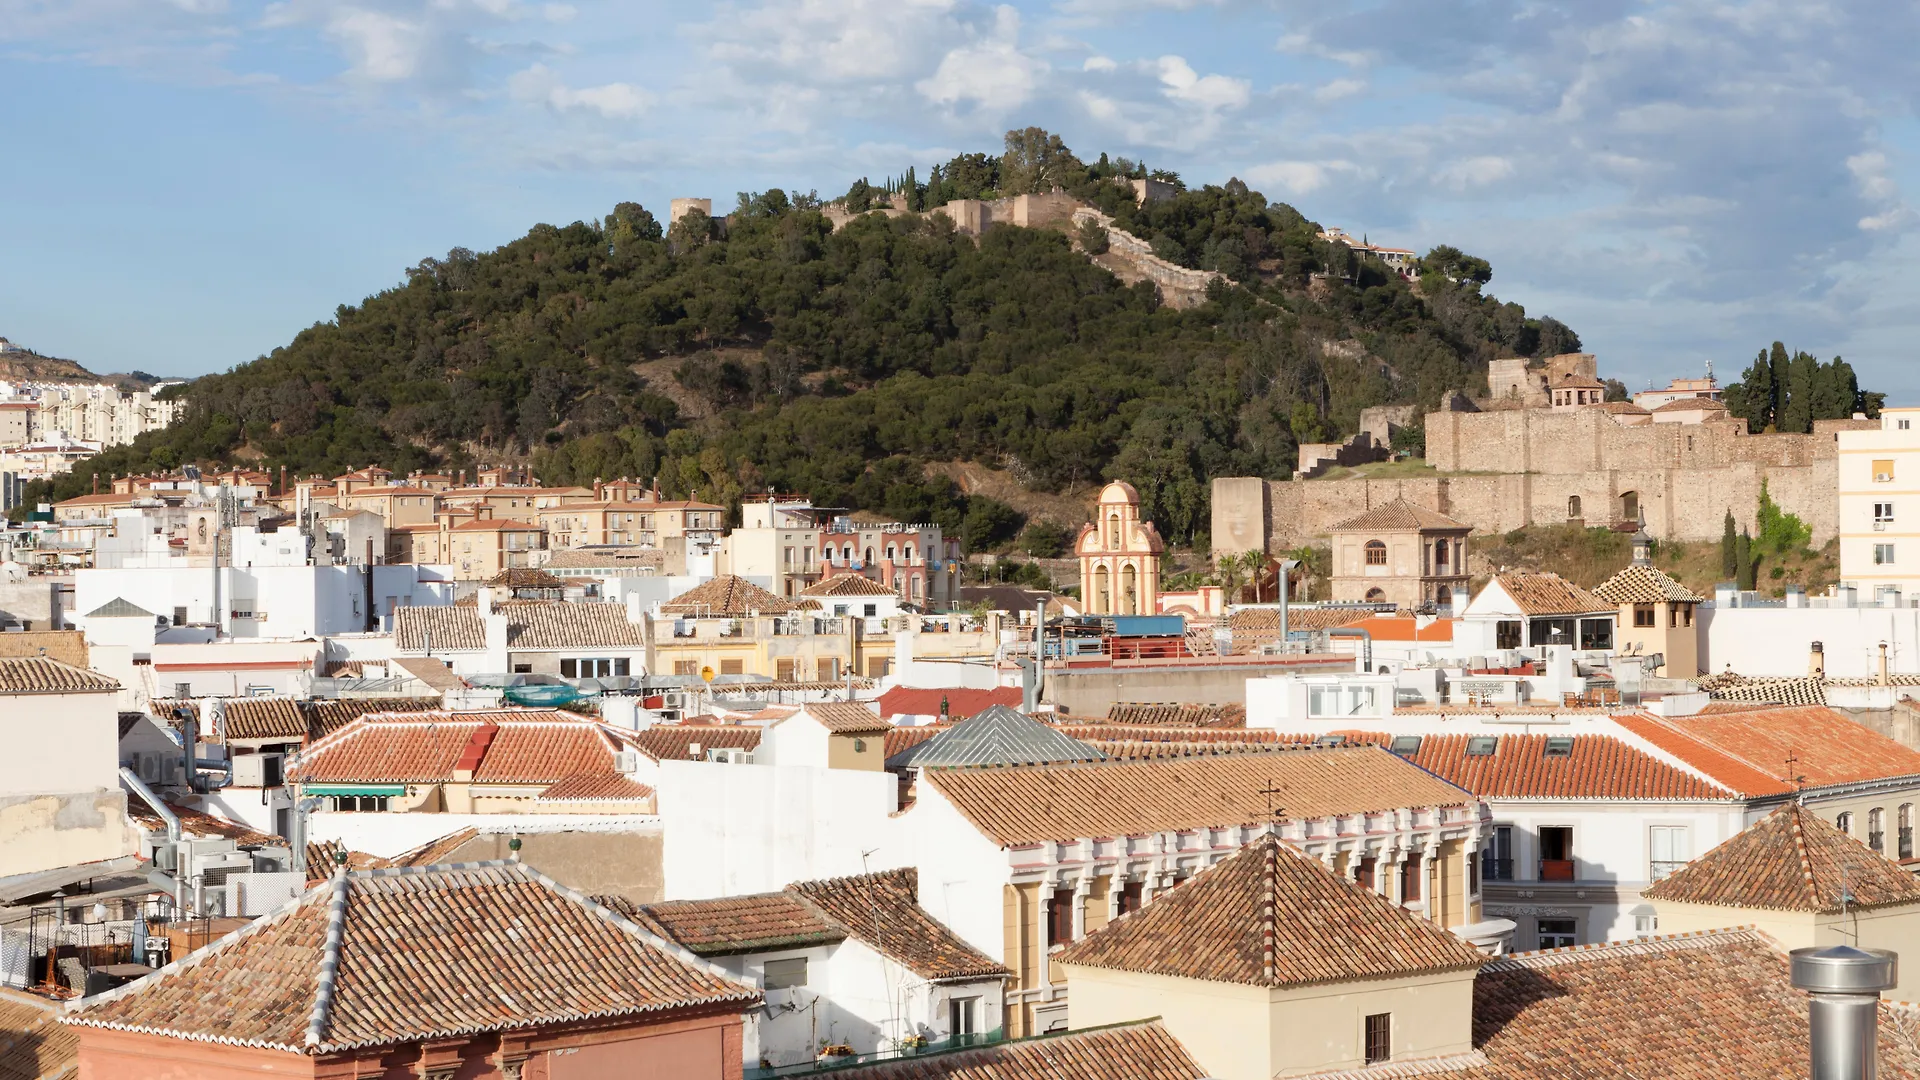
<point>831,1053</point>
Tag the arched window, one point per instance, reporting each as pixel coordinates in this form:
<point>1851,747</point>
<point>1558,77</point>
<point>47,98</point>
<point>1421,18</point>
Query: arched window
<point>1129,591</point>
<point>1905,847</point>
<point>1573,508</point>
<point>1099,597</point>
<point>1443,598</point>
<point>1877,830</point>
<point>1376,553</point>
<point>1630,506</point>
<point>1375,596</point>
<point>1113,532</point>
<point>916,588</point>
<point>869,556</point>
<point>1440,554</point>
<point>1844,822</point>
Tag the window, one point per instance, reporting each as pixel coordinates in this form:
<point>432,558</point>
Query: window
<point>871,610</point>
<point>1906,831</point>
<point>783,669</point>
<point>1376,553</point>
<point>781,974</point>
<point>1379,1037</point>
<point>1877,830</point>
<point>1406,745</point>
<point>1667,849</point>
<point>733,667</point>
<point>1556,853</point>
<point>1643,615</point>
<point>1132,896</point>
<point>827,669</point>
<point>1844,823</point>
<point>179,616</point>
<point>1573,508</point>
<point>1558,746</point>
<point>1496,859</point>
<point>962,1015</point>
<point>1506,634</point>
<point>1645,923</point>
<point>1883,471</point>
<point>686,667</point>
<point>1440,555</point>
<point>1556,933</point>
<point>359,804</point>
<point>1596,633</point>
<point>1904,424</point>
<point>1363,873</point>
<point>523,669</point>
<point>1375,596</point>
<point>1883,554</point>
<point>1060,917</point>
<point>1412,877</point>
<point>1482,745</point>
<point>1882,513</point>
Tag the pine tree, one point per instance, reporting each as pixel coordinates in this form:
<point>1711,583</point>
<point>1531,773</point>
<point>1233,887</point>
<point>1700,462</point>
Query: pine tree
<point>1729,550</point>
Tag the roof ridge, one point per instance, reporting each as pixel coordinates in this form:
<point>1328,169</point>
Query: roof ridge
<point>632,929</point>
<point>321,1017</point>
<point>1799,835</point>
<point>1659,943</point>
<point>1269,905</point>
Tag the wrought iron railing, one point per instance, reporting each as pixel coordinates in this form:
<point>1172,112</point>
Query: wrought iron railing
<point>931,1046</point>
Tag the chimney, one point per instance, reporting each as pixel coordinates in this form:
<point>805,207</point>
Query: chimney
<point>1817,661</point>
<point>1843,985</point>
<point>1883,664</point>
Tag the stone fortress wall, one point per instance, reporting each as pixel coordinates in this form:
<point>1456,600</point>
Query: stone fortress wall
<point>1510,467</point>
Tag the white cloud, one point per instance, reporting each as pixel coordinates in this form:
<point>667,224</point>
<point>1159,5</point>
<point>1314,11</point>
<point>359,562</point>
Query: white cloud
<point>615,101</point>
<point>1474,172</point>
<point>1099,63</point>
<point>1303,45</point>
<point>558,13</point>
<point>990,73</point>
<point>1211,91</point>
<point>1300,177</point>
<point>1337,89</point>
<point>379,46</point>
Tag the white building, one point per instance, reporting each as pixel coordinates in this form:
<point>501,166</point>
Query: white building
<point>1879,493</point>
<point>61,803</point>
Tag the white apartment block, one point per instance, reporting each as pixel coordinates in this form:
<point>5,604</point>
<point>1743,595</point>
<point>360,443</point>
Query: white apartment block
<point>1879,491</point>
<point>93,413</point>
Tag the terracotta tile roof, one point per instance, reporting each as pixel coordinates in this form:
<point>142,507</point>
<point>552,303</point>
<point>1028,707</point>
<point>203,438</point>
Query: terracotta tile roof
<point>1399,516</point>
<point>568,961</point>
<point>326,717</point>
<point>1271,916</point>
<point>1139,1051</point>
<point>1727,686</point>
<point>605,786</point>
<point>606,559</point>
<point>323,856</point>
<point>727,595</point>
<point>67,646</point>
<point>1133,733</point>
<point>532,625</point>
<point>727,926</point>
<point>1622,408</point>
<point>675,742</point>
<point>438,850</point>
<point>1139,749</point>
<point>495,525</point>
<point>40,675</point>
<point>1692,405</point>
<point>999,736</point>
<point>34,1045</point>
<point>1790,860</point>
<point>1747,752</point>
<point>1248,624</point>
<point>525,577</point>
<point>883,911</point>
<point>198,824</point>
<point>913,701</point>
<point>846,717</point>
<point>1713,1006</point>
<point>846,585</point>
<point>264,718</point>
<point>900,739</point>
<point>1595,767</point>
<point>433,672</point>
<point>533,746</point>
<point>1032,804</point>
<point>1550,594</point>
<point>1644,585</point>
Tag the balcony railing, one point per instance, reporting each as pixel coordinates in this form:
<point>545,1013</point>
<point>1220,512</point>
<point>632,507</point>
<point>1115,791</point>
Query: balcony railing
<point>935,1046</point>
<point>1556,869</point>
<point>1492,869</point>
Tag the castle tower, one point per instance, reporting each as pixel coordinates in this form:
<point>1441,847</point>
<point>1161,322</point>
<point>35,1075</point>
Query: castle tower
<point>1119,556</point>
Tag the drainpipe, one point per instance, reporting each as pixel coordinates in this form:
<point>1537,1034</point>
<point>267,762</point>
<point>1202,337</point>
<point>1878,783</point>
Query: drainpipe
<point>139,787</point>
<point>298,841</point>
<point>1883,664</point>
<point>1844,985</point>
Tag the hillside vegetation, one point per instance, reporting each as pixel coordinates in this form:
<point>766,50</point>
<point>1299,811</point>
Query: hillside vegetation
<point>776,353</point>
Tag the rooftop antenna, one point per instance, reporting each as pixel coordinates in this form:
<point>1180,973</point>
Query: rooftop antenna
<point>1274,810</point>
<point>1798,781</point>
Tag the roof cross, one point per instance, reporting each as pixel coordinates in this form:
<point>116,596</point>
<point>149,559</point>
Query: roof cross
<point>1798,781</point>
<point>1274,810</point>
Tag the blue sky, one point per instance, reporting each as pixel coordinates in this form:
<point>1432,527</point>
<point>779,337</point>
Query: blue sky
<point>184,184</point>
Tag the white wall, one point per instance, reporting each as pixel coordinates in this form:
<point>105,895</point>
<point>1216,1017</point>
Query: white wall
<point>735,829</point>
<point>391,834</point>
<point>298,601</point>
<point>963,874</point>
<point>1776,641</point>
<point>797,740</point>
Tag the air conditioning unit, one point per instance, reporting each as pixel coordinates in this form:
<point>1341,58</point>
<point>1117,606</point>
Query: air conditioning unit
<point>257,770</point>
<point>147,766</point>
<point>1883,478</point>
<point>626,761</point>
<point>730,756</point>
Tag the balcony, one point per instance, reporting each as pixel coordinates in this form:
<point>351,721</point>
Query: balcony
<point>1556,869</point>
<point>1492,869</point>
<point>939,1046</point>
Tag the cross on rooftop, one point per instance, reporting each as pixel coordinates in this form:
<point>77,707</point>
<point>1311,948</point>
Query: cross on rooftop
<point>1274,811</point>
<point>1798,781</point>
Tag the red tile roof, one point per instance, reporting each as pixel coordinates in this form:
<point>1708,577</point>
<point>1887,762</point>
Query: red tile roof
<point>532,746</point>
<point>1597,767</point>
<point>912,701</point>
<point>847,585</point>
<point>1791,860</point>
<point>1748,751</point>
<point>1138,1051</point>
<point>34,1045</point>
<point>675,742</point>
<point>1550,594</point>
<point>883,911</point>
<point>727,595</point>
<point>1400,516</point>
<point>418,954</point>
<point>1151,714</point>
<point>726,926</point>
<point>1271,916</point>
<point>846,717</point>
<point>39,675</point>
<point>196,824</point>
<point>605,786</point>
<point>1037,803</point>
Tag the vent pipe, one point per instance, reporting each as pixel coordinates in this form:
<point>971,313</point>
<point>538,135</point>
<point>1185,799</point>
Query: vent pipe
<point>1817,661</point>
<point>1844,985</point>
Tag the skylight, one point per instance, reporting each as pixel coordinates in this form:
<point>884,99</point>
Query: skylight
<point>1406,745</point>
<point>1559,746</point>
<point>1482,745</point>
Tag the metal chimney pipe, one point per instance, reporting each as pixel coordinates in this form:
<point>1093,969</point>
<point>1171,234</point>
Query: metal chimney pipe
<point>1844,985</point>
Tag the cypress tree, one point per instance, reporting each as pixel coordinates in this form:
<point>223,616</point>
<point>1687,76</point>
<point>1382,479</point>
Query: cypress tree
<point>1729,550</point>
<point>1754,399</point>
<point>1777,361</point>
<point>1743,554</point>
<point>1798,397</point>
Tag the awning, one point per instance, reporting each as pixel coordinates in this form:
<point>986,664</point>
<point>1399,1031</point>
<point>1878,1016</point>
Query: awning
<point>353,789</point>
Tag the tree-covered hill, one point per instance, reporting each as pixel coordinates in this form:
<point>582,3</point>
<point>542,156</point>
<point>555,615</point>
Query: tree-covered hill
<point>770,352</point>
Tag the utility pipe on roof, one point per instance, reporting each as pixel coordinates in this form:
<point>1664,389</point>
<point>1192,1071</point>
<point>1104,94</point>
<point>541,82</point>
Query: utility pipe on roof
<point>139,787</point>
<point>1366,650</point>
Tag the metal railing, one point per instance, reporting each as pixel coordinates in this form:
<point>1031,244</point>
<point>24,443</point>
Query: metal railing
<point>933,1046</point>
<point>1492,869</point>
